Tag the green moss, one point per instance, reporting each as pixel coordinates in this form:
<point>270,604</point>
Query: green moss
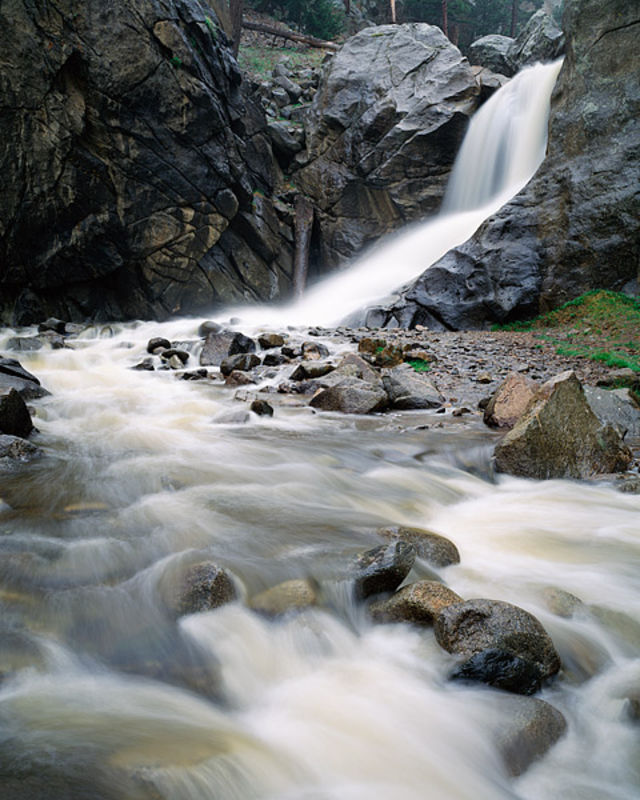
<point>177,62</point>
<point>419,364</point>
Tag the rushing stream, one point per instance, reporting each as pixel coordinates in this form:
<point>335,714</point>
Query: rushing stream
<point>107,695</point>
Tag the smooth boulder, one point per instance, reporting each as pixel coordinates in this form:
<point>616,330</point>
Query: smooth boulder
<point>418,603</point>
<point>510,400</point>
<point>381,569</point>
<point>204,586</point>
<point>437,550</point>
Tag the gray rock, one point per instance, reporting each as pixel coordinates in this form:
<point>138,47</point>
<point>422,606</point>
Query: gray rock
<point>242,362</point>
<point>615,408</point>
<point>418,603</point>
<point>15,419</point>
<point>209,326</point>
<point>381,569</point>
<point>503,645</point>
<point>309,370</point>
<point>267,341</point>
<point>17,449</point>
<point>382,133</point>
<point>351,396</point>
<point>215,348</point>
<point>539,40</point>
<point>437,550</point>
<point>510,400</point>
<point>241,344</point>
<point>493,52</point>
<point>407,389</point>
<point>559,436</point>
<point>157,344</point>
<point>293,595</point>
<point>530,728</point>
<point>204,586</point>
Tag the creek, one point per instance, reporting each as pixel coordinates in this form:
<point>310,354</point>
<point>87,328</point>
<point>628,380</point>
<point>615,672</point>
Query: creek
<point>107,695</point>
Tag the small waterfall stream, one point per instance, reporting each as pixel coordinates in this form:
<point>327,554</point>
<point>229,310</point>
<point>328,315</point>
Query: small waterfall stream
<point>104,695</point>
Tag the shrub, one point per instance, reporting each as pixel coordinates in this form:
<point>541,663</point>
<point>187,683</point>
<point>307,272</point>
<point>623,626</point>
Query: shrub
<point>319,18</point>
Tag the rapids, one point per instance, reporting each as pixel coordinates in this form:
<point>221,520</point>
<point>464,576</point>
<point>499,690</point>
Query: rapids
<point>105,696</point>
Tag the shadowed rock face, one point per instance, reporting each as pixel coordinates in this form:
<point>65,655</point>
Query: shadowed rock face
<point>576,225</point>
<point>136,174</point>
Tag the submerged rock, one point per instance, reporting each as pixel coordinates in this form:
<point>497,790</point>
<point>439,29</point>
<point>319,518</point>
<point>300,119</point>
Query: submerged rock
<point>293,595</point>
<point>204,586</point>
<point>17,449</point>
<point>503,645</point>
<point>436,549</point>
<point>559,436</point>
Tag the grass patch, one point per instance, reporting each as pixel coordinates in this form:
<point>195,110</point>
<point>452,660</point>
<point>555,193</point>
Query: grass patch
<point>260,61</point>
<point>600,325</point>
<point>419,364</point>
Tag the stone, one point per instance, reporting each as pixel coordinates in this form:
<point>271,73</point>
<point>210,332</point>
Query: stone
<point>509,401</point>
<point>15,419</point>
<point>314,350</point>
<point>502,645</point>
<point>352,396</point>
<point>310,370</point>
<point>437,550</point>
<point>292,595</point>
<point>215,348</point>
<point>52,324</point>
<point>615,408</point>
<point>267,341</point>
<point>381,569</point>
<point>535,253</point>
<point>16,449</point>
<point>529,727</point>
<point>158,344</point>
<point>353,366</point>
<point>140,188</point>
<point>493,52</point>
<point>409,389</point>
<point>146,365</point>
<point>243,362</point>
<point>274,360</point>
<point>241,344</point>
<point>24,344</point>
<point>559,436</point>
<point>540,40</point>
<point>418,603</point>
<point>181,356</point>
<point>204,586</point>
<point>285,143</point>
<point>262,408</point>
<point>382,133</point>
<point>207,327</point>
<point>619,378</point>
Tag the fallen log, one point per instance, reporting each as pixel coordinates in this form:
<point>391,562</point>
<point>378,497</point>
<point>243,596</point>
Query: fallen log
<point>301,38</point>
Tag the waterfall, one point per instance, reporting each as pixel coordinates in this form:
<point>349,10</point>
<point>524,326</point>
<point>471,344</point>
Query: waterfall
<point>504,146</point>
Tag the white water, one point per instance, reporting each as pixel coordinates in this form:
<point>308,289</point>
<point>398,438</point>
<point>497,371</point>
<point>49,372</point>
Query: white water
<point>503,148</point>
<point>107,696</point>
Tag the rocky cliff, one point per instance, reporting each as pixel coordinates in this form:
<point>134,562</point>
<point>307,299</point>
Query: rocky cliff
<point>576,225</point>
<point>135,172</point>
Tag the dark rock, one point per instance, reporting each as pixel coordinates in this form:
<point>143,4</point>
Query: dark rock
<point>436,549</point>
<point>274,360</point>
<point>510,400</point>
<point>382,133</point>
<point>381,569</point>
<point>285,143</point>
<point>146,365</point>
<point>408,389</point>
<point>9,366</point>
<point>418,603</point>
<point>15,419</point>
<point>314,350</point>
<point>352,396</point>
<point>195,375</point>
<point>503,645</point>
<point>204,586</point>
<point>242,362</point>
<point>293,595</point>
<point>207,327</point>
<point>291,352</point>
<point>309,370</point>
<point>157,344</point>
<point>267,341</point>
<point>559,436</point>
<point>52,324</point>
<point>262,408</point>
<point>139,188</point>
<point>25,344</point>
<point>215,348</point>
<point>492,51</point>
<point>17,449</point>
<point>27,389</point>
<point>530,728</point>
<point>353,366</point>
<point>181,355</point>
<point>238,378</point>
<point>241,344</point>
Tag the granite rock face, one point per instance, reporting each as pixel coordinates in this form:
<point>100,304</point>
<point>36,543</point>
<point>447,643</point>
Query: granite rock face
<point>576,225</point>
<point>136,172</point>
<point>382,134</point>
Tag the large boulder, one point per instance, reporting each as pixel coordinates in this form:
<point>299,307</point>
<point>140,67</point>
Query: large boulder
<point>501,644</point>
<point>575,226</point>
<point>492,51</point>
<point>382,133</point>
<point>137,172</point>
<point>559,436</point>
<point>540,40</point>
<point>14,376</point>
<point>15,419</point>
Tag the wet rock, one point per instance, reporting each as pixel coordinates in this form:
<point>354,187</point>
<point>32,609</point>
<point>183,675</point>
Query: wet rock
<point>207,327</point>
<point>204,586</point>
<point>194,375</point>
<point>313,351</point>
<point>262,408</point>
<point>293,595</point>
<point>291,352</point>
<point>215,348</point>
<point>157,345</point>
<point>503,645</point>
<point>267,341</point>
<point>241,344</point>
<point>531,727</point>
<point>242,362</point>
<point>351,396</point>
<point>15,419</point>
<point>559,436</point>
<point>418,603</point>
<point>509,401</point>
<point>238,378</point>
<point>181,356</point>
<point>146,365</point>
<point>437,550</point>
<point>489,82</point>
<point>353,366</point>
<point>52,324</point>
<point>310,370</point>
<point>25,344</point>
<point>381,569</point>
<point>561,603</point>
<point>408,389</point>
<point>17,449</point>
<point>274,360</point>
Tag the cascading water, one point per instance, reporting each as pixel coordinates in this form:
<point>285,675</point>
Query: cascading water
<point>504,146</point>
<point>105,695</point>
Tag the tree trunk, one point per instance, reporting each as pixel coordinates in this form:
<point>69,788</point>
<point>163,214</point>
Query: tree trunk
<point>514,17</point>
<point>304,223</point>
<point>236,7</point>
<point>393,11</point>
<point>445,18</point>
<point>347,6</point>
<point>293,37</point>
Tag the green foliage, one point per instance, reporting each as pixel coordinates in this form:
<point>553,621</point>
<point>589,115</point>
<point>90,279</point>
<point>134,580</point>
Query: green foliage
<point>419,364</point>
<point>319,18</point>
<point>212,27</point>
<point>177,62</point>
